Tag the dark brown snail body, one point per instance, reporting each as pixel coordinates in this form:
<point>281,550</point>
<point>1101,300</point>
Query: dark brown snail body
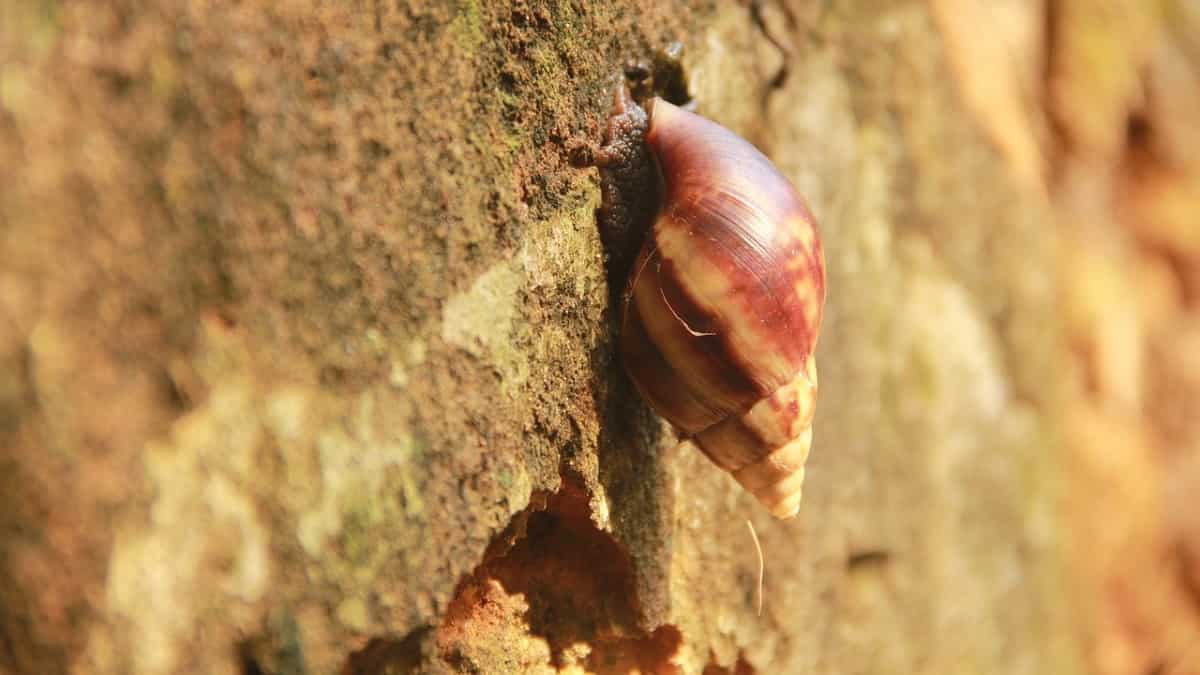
<point>720,314</point>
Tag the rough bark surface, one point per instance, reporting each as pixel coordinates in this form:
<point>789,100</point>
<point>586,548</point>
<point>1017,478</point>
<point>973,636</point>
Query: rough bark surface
<point>306,356</point>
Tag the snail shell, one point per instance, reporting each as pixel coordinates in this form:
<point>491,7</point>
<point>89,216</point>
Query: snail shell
<point>720,315</point>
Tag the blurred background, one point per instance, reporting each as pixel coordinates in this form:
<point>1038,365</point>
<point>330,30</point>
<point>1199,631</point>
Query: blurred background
<point>1123,107</point>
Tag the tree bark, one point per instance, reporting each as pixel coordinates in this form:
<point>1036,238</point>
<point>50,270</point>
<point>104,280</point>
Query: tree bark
<point>306,347</point>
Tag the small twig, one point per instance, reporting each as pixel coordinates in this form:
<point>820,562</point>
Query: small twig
<point>761,564</point>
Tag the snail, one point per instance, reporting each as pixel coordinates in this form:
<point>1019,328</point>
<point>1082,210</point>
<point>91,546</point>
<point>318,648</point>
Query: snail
<point>720,311</point>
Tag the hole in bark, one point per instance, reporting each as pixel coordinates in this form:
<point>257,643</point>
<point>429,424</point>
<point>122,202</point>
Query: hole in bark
<point>867,560</point>
<point>553,587</point>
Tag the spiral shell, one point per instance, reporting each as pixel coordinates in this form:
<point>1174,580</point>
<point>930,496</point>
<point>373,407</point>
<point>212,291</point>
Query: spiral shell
<point>723,306</point>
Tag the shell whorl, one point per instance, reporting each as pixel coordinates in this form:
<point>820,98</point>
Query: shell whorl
<point>724,303</point>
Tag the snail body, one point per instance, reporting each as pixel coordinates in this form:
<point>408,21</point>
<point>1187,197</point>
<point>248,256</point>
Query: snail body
<point>720,313</point>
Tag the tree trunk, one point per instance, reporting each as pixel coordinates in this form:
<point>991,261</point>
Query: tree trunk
<point>307,351</point>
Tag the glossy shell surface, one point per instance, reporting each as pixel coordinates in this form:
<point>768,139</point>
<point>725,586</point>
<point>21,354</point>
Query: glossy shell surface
<point>724,303</point>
